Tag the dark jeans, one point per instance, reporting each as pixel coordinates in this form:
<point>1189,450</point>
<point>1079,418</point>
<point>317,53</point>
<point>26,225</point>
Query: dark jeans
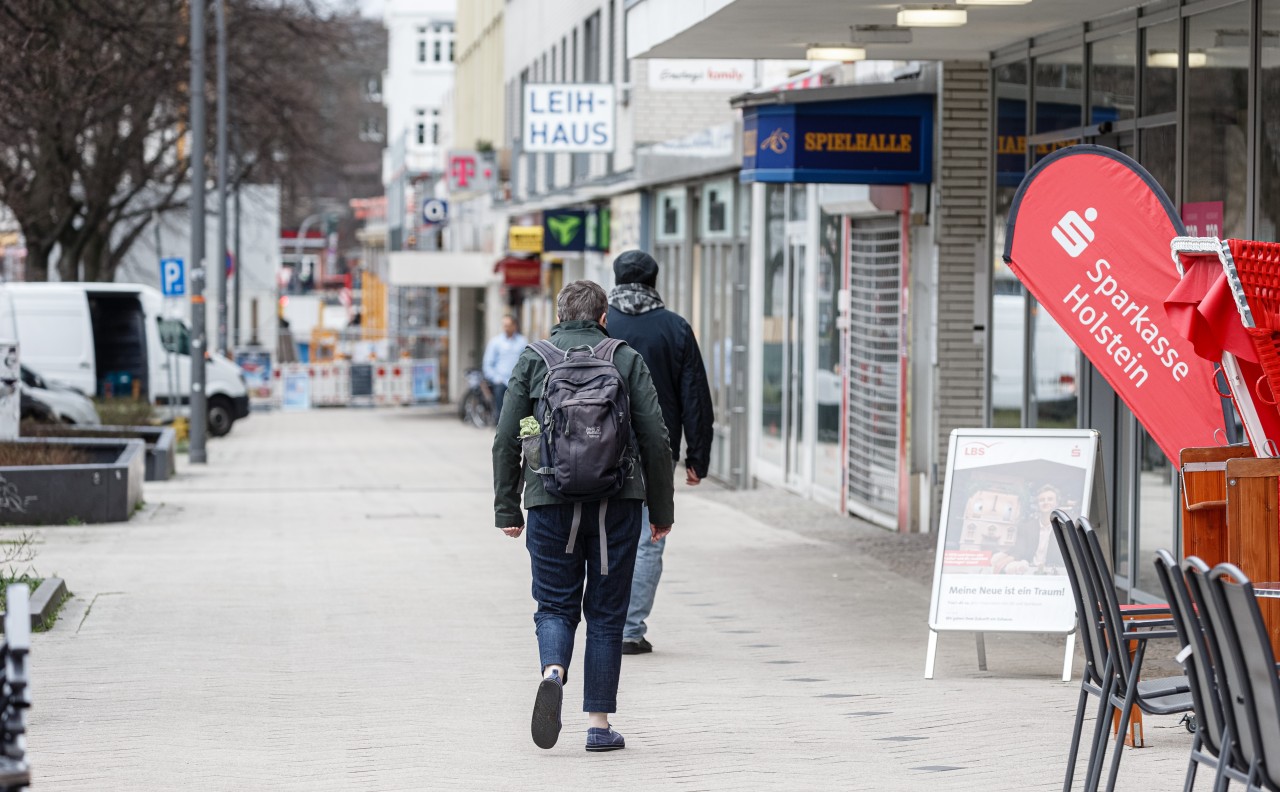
<point>499,391</point>
<point>559,580</point>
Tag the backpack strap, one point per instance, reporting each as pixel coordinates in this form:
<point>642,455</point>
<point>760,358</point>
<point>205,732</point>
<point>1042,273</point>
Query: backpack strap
<point>606,349</point>
<point>549,352</point>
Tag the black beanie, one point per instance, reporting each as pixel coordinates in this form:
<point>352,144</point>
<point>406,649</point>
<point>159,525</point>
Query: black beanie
<point>635,266</point>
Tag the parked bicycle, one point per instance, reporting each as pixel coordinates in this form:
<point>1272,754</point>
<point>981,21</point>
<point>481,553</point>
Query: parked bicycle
<point>476,407</point>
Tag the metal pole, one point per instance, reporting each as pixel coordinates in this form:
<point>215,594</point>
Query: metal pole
<point>196,449</point>
<point>221,16</point>
<point>235,322</point>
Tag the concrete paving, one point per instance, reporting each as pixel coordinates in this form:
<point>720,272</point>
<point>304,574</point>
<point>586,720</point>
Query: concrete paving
<point>326,605</point>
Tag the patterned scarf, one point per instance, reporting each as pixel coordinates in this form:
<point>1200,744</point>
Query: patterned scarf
<point>635,298</point>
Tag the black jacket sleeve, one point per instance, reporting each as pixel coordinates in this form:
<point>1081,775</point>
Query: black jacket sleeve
<point>696,413</point>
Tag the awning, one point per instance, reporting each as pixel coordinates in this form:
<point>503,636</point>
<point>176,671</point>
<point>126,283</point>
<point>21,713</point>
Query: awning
<point>519,272</point>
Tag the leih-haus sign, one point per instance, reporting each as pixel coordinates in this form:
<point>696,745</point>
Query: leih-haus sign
<point>568,118</point>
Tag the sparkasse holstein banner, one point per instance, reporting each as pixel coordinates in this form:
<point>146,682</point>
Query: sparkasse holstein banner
<point>1088,235</point>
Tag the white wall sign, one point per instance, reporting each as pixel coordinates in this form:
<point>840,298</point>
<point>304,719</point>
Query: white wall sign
<point>998,567</point>
<point>568,117</point>
<point>701,75</point>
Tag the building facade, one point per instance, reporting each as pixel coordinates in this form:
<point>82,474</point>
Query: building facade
<point>1183,86</point>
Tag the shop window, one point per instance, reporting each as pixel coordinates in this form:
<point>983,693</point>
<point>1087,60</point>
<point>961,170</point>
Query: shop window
<point>670,214</point>
<point>717,210</point>
<point>1113,72</point>
<point>1008,298</point>
<point>1160,68</point>
<point>1059,94</point>
<point>1160,155</point>
<point>1267,222</point>
<point>1217,90</point>
<point>773,330</point>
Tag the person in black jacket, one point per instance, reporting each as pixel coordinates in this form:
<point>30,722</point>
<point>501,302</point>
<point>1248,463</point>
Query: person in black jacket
<point>665,341</point>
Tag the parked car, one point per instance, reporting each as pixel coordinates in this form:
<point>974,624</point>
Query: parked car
<point>1056,355</point>
<point>111,339</point>
<point>62,403</point>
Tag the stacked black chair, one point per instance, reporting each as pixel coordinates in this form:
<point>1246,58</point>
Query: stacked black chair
<point>1248,685</point>
<point>1154,697</point>
<point>1212,745</point>
<point>15,692</point>
<point>1091,590</point>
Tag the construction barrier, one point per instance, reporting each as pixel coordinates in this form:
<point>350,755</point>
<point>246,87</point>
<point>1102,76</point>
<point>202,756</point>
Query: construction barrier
<point>341,383</point>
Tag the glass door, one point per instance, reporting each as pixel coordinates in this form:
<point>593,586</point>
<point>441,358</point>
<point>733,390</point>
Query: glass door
<point>794,357</point>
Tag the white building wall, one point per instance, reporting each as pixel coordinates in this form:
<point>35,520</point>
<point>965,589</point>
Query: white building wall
<point>258,266</point>
<point>413,90</point>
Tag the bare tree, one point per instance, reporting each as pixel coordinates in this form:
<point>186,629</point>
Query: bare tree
<point>93,99</point>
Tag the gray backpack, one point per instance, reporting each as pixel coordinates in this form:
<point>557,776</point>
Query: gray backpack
<point>585,415</point>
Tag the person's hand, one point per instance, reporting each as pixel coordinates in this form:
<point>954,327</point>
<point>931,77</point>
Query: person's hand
<point>514,531</point>
<point>659,531</point>
<point>691,478</point>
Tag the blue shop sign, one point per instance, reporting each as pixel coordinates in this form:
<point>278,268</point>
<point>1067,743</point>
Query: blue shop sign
<point>863,141</point>
<point>564,231</point>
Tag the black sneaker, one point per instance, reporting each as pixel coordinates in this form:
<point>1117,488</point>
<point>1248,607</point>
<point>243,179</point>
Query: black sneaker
<point>604,740</point>
<point>636,647</point>
<point>546,711</point>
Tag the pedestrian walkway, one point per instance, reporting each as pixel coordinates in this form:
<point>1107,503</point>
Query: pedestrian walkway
<point>326,606</point>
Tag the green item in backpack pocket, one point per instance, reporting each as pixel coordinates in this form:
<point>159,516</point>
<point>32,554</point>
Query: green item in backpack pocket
<point>529,427</point>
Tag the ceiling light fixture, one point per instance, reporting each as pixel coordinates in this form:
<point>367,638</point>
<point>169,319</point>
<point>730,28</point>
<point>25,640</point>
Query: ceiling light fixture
<point>1168,59</point>
<point>992,2</point>
<point>931,16</point>
<point>835,52</point>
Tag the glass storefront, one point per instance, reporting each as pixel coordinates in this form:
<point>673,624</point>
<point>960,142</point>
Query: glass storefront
<point>1168,84</point>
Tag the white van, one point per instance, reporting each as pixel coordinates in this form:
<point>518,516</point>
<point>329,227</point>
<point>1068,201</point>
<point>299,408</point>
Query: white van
<point>111,338</point>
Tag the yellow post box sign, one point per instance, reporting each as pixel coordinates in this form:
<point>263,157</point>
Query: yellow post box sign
<point>524,239</point>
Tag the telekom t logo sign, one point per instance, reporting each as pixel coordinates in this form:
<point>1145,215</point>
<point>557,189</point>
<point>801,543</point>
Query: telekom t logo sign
<point>462,170</point>
<point>1073,233</point>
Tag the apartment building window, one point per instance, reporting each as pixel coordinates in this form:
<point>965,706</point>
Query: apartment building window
<point>371,130</point>
<point>435,42</point>
<point>373,89</point>
<point>420,126</point>
<point>613,37</point>
<point>591,49</point>
<point>435,127</point>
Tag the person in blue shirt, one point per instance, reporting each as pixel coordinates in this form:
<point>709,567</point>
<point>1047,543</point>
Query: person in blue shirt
<point>500,358</point>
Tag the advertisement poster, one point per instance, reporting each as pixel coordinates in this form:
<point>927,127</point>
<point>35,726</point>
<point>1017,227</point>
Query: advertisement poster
<point>998,567</point>
<point>426,381</point>
<point>256,366</point>
<point>296,388</point>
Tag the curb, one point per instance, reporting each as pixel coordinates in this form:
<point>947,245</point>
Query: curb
<point>44,601</point>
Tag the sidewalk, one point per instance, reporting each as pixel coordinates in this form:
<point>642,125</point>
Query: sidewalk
<point>326,606</point>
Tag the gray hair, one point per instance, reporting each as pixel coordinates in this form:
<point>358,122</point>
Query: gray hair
<point>582,299</point>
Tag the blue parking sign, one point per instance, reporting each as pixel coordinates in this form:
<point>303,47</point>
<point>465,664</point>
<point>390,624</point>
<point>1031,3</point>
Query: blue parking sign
<point>173,281</point>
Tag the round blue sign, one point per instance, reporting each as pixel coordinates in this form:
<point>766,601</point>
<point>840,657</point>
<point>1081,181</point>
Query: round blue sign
<point>435,211</point>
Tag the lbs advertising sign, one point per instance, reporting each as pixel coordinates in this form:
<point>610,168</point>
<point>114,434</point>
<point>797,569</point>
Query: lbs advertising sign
<point>1089,235</point>
<point>565,117</point>
<point>998,567</point>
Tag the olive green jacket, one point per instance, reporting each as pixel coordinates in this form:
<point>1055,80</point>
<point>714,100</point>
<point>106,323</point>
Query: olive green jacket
<point>525,388</point>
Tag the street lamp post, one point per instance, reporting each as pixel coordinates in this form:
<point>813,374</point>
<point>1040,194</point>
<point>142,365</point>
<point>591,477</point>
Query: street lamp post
<point>196,448</point>
<point>221,277</point>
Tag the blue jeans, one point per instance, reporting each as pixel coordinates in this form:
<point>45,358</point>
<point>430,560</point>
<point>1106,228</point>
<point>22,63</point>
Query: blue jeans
<point>568,585</point>
<point>644,583</point>
<point>499,393</point>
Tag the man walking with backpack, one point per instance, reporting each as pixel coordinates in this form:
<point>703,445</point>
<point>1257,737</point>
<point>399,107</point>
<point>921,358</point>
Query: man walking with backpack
<point>582,409</point>
<point>638,316</point>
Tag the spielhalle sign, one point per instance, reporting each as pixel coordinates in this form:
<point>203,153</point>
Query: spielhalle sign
<point>1089,234</point>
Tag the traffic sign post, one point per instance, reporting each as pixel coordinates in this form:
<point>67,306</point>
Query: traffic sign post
<point>173,277</point>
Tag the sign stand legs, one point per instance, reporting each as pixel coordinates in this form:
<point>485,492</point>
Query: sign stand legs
<point>982,651</point>
<point>1069,657</point>
<point>930,655</point>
